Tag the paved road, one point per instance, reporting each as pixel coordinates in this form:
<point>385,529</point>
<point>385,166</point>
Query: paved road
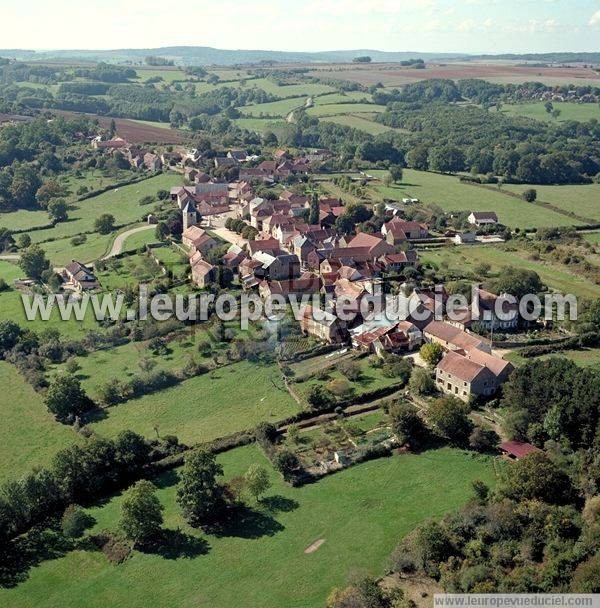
<point>117,246</point>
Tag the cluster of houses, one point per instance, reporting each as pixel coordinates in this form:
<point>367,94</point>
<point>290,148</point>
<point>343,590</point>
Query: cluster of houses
<point>138,158</point>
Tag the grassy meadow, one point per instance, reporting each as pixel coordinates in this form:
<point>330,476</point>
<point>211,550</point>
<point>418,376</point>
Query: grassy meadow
<point>360,514</point>
<point>582,112</point>
<point>457,260</point>
<point>448,193</point>
<point>222,402</point>
<point>29,435</point>
<point>584,200</point>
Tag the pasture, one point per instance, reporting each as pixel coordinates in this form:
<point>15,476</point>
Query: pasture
<point>11,307</point>
<point>259,125</point>
<point>448,193</point>
<point>274,108</point>
<point>585,357</point>
<point>459,260</point>
<point>584,200</point>
<point>568,111</point>
<point>360,513</point>
<point>29,435</point>
<point>122,203</point>
<point>358,122</point>
<point>336,109</point>
<point>222,402</point>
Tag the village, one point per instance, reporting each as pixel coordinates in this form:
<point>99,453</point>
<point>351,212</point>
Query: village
<point>293,248</point>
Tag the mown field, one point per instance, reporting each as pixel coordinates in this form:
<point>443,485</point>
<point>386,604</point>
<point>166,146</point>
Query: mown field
<point>219,403</point>
<point>585,357</point>
<point>448,193</point>
<point>260,125</point>
<point>11,307</point>
<point>274,108</point>
<point>336,109</point>
<point>568,111</point>
<point>584,200</point>
<point>459,259</point>
<point>358,121</point>
<point>360,513</point>
<point>29,435</point>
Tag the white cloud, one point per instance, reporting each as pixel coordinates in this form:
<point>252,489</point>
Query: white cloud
<point>595,19</point>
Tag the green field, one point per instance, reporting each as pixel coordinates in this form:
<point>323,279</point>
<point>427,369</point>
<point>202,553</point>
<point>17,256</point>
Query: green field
<point>591,237</point>
<point>291,90</point>
<point>11,307</point>
<point>168,74</point>
<point>274,108</point>
<point>259,125</point>
<point>583,200</point>
<point>448,193</point>
<point>337,109</point>
<point>122,202</point>
<point>139,239</point>
<point>29,435</point>
<point>464,258</point>
<point>230,399</point>
<point>568,111</point>
<point>358,122</point>
<point>371,380</point>
<point>360,513</point>
<point>585,357</point>
<point>350,96</point>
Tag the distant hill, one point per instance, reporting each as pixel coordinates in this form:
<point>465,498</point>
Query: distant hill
<point>203,55</point>
<point>547,57</point>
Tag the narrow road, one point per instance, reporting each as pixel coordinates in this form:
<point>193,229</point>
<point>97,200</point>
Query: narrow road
<point>10,257</point>
<point>117,246</point>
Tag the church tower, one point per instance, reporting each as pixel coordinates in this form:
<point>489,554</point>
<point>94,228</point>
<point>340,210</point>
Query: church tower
<point>189,216</point>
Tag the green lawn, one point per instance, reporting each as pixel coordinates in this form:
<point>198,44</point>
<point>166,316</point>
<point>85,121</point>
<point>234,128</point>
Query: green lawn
<point>372,379</point>
<point>568,111</point>
<point>139,239</point>
<point>332,98</point>
<point>260,125</point>
<point>290,90</point>
<point>168,75</point>
<point>585,357</point>
<point>230,399</point>
<point>274,108</point>
<point>123,203</point>
<point>29,435</point>
<point>128,271</point>
<point>584,200</point>
<point>360,513</point>
<point>592,237</point>
<point>336,109</point>
<point>459,259</point>
<point>358,122</point>
<point>153,123</point>
<point>11,307</point>
<point>450,194</point>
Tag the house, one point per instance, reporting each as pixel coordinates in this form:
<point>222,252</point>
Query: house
<point>112,144</point>
<point>495,312</point>
<point>197,239</point>
<point>374,244</point>
<point>482,218</point>
<point>411,230</point>
<point>269,245</point>
<point>458,376</point>
<point>464,238</point>
<point>398,261</point>
<point>517,449</point>
<point>79,277</point>
<point>453,338</point>
<point>323,325</point>
<point>239,156</point>
<point>203,273</point>
<point>224,162</point>
<point>307,284</point>
<point>381,336</point>
<point>393,233</point>
<point>234,257</point>
<point>152,162</point>
<point>278,267</point>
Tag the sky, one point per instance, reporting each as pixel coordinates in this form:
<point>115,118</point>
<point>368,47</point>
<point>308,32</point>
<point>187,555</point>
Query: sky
<point>469,26</point>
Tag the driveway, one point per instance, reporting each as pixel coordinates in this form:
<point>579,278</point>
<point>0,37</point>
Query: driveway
<point>117,246</point>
